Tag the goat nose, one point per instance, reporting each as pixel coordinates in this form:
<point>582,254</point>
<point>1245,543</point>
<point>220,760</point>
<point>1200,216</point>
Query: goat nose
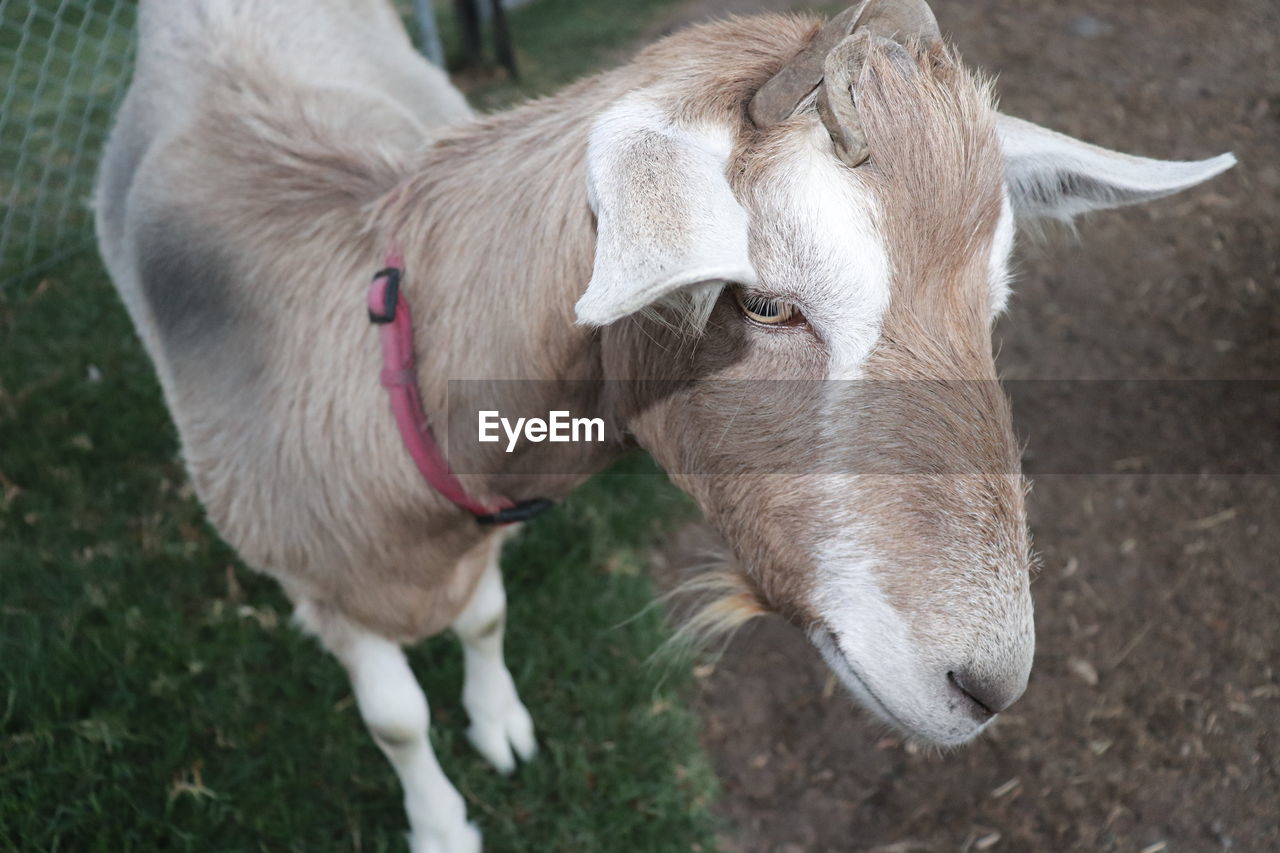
<point>984,695</point>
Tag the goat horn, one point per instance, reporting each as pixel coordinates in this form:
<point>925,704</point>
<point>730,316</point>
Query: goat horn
<point>777,99</point>
<point>899,20</point>
<point>835,98</point>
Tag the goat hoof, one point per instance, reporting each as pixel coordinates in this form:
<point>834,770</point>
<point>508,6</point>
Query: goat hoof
<point>495,736</point>
<point>464,838</point>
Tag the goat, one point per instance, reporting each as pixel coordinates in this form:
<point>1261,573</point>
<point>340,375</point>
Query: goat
<point>767,197</point>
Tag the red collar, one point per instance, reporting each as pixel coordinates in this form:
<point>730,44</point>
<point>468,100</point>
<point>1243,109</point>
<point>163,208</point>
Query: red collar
<point>389,311</point>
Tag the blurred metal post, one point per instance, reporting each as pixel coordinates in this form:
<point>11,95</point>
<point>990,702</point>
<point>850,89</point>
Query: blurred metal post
<point>429,32</point>
<point>502,37</point>
<point>470,30</point>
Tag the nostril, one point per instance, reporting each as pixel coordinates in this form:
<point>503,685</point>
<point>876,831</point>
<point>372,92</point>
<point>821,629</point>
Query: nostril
<point>988,698</point>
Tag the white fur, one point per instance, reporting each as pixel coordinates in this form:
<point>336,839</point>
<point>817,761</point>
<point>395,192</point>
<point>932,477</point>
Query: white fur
<point>666,216</point>
<point>395,710</point>
<point>499,721</point>
<point>359,44</point>
<point>818,247</point>
<point>872,649</point>
<point>1001,249</point>
<point>1042,164</point>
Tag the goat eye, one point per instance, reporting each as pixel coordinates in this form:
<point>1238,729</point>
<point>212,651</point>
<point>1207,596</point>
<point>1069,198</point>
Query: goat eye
<point>768,310</point>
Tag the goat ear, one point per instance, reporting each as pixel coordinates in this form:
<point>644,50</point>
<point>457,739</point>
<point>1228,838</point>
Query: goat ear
<point>1049,174</point>
<point>666,218</point>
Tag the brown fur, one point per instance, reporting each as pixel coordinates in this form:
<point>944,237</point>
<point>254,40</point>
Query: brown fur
<point>267,157</point>
<point>937,171</point>
<point>293,455</point>
<point>951,506</point>
<point>497,235</point>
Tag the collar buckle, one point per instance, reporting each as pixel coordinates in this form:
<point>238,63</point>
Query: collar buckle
<point>390,296</point>
<point>523,511</point>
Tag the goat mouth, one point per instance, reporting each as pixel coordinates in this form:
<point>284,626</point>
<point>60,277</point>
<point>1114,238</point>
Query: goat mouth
<point>825,641</point>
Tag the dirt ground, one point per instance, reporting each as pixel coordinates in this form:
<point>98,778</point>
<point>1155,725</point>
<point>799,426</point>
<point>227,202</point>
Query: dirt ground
<point>1152,717</point>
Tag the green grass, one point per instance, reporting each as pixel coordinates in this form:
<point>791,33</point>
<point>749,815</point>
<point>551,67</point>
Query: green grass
<point>148,702</point>
<point>153,695</point>
<point>556,41</point>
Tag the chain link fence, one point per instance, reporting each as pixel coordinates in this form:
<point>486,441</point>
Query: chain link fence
<point>65,65</point>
